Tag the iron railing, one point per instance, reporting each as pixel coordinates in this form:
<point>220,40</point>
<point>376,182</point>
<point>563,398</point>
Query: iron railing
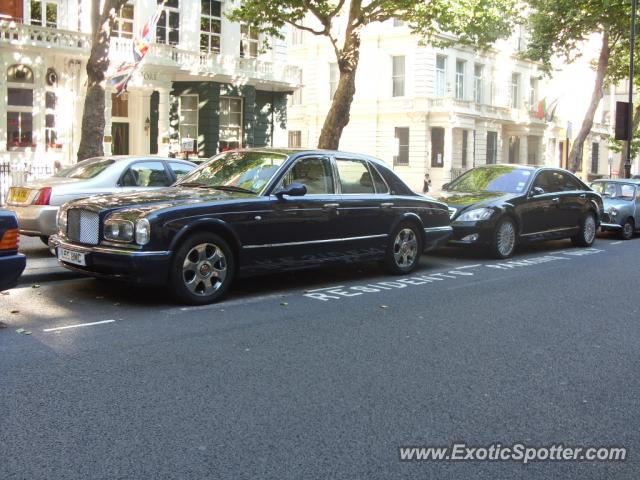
<point>19,174</point>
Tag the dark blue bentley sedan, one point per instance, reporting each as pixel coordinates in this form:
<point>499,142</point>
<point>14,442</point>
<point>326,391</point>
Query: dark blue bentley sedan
<point>251,211</point>
<point>12,263</point>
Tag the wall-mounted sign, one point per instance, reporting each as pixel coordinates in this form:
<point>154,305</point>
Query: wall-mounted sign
<point>188,145</point>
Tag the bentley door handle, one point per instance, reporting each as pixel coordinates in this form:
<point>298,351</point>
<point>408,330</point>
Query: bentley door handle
<point>331,205</point>
<point>555,200</point>
<point>386,205</point>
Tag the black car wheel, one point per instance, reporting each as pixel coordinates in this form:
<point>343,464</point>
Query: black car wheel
<point>202,269</point>
<point>587,234</point>
<point>404,249</point>
<point>627,229</point>
<point>44,239</point>
<point>504,239</point>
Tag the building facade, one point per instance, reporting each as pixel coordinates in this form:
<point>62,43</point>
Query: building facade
<point>436,111</point>
<point>204,78</point>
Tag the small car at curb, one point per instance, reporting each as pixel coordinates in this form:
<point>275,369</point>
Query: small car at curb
<point>252,211</point>
<point>36,204</point>
<point>499,206</point>
<point>12,263</point>
<point>621,206</point>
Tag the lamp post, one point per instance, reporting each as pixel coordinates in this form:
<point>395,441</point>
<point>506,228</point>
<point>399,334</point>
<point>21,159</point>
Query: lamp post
<point>627,163</point>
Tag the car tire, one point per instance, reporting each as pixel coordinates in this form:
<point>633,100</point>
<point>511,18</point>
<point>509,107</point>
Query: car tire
<point>202,269</point>
<point>404,249</point>
<point>504,240</point>
<point>628,229</point>
<point>587,234</point>
<point>44,239</point>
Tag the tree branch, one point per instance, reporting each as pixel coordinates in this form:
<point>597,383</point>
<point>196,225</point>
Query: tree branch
<point>336,10</point>
<point>306,29</point>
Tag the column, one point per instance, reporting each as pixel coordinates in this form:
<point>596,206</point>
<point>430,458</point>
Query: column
<point>524,149</point>
<point>447,161</point>
<point>163,121</point>
<point>143,111</point>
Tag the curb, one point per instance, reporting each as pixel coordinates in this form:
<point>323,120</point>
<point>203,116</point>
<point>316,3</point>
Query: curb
<point>44,277</point>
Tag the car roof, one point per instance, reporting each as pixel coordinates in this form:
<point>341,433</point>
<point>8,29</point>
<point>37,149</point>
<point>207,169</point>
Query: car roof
<point>310,151</point>
<point>122,158</point>
<point>515,165</point>
<point>635,181</point>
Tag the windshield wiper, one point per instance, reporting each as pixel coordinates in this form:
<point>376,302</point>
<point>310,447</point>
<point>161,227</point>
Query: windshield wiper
<point>192,184</point>
<point>233,188</point>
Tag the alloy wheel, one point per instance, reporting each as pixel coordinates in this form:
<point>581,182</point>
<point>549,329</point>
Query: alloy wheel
<point>204,269</point>
<point>506,238</point>
<point>627,230</point>
<point>405,248</point>
<point>589,229</point>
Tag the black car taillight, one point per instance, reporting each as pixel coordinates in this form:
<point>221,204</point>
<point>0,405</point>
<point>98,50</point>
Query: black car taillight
<point>10,240</point>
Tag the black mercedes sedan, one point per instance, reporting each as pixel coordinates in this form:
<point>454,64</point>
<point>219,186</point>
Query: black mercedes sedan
<point>499,206</point>
<point>251,211</point>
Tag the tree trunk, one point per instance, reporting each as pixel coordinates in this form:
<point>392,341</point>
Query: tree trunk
<point>93,122</point>
<point>575,156</point>
<point>623,157</point>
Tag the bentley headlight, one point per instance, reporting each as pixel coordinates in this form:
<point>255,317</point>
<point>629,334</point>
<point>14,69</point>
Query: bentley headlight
<point>143,231</point>
<point>118,230</point>
<point>475,215</point>
<point>61,221</point>
<point>613,211</point>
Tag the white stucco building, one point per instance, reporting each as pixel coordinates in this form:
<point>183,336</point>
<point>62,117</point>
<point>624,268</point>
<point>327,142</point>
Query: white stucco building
<point>440,111</point>
<point>204,77</point>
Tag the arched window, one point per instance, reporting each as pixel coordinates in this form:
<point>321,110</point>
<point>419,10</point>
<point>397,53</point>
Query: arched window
<point>19,107</point>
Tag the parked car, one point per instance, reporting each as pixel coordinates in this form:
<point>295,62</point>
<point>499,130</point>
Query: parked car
<point>501,205</point>
<point>12,263</point>
<point>251,211</point>
<point>37,202</point>
<point>621,205</point>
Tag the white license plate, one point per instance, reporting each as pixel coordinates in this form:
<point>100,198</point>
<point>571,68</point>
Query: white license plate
<point>71,256</point>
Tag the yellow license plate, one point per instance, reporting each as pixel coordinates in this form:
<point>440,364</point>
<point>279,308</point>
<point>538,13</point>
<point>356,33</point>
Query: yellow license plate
<point>19,195</point>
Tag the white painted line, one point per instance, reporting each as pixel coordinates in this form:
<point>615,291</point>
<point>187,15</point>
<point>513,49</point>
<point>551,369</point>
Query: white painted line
<point>616,243</point>
<point>78,325</point>
<point>468,266</point>
<point>323,289</point>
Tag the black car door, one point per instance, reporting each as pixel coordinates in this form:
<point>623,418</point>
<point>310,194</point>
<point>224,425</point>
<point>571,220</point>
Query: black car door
<point>298,228</point>
<point>540,214</point>
<point>573,199</point>
<point>366,205</point>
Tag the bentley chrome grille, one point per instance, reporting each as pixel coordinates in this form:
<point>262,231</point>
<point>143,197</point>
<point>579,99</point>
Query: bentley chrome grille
<point>83,226</point>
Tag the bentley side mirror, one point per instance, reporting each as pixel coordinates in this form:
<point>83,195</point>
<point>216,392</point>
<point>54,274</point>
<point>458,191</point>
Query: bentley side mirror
<point>537,191</point>
<point>294,190</point>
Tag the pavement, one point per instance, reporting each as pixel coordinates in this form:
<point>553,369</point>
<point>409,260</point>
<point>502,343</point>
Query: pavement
<point>42,266</point>
<point>324,374</point>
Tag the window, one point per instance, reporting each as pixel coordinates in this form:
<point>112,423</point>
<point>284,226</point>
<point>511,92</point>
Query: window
<point>297,35</point>
<point>230,123</point>
<point>533,93</point>
<point>188,112</point>
<point>515,90</point>
<point>492,147</point>
<point>314,173</point>
<point>514,149</point>
<point>44,13</point>
<point>441,75</point>
<point>146,174</point>
<point>465,148</point>
<point>210,25</point>
<point>334,77</point>
<point>566,182</point>
<point>461,65</point>
<point>378,182</point>
<point>180,169</point>
<point>437,147</point>
<point>296,98</point>
<point>354,177</point>
<point>123,23</point>
<point>119,106</point>
<point>249,41</point>
<point>478,83</point>
<point>398,75</point>
<point>402,134</point>
<point>19,107</point>
<point>595,157</point>
<point>50,132</point>
<point>295,139</point>
<point>168,28</point>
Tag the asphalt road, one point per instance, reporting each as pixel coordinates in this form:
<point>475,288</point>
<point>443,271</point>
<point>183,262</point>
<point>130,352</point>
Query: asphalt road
<point>325,374</point>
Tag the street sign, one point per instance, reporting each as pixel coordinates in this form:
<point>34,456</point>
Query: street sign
<point>188,145</point>
<point>622,121</point>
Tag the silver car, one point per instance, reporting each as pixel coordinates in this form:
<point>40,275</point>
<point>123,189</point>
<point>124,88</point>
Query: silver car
<point>621,200</point>
<point>36,204</point>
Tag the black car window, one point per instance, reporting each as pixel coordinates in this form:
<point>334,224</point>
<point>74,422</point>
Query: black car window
<point>546,181</point>
<point>501,178</point>
<point>354,177</point>
<point>378,182</point>
<point>314,173</point>
<point>180,169</point>
<point>566,183</point>
<point>146,174</point>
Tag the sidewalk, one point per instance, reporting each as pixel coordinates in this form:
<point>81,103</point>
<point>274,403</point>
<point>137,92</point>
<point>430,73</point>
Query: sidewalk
<point>41,265</point>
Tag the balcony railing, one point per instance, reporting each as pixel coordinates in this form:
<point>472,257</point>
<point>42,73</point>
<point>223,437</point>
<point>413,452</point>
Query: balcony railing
<point>19,34</point>
<point>451,103</point>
